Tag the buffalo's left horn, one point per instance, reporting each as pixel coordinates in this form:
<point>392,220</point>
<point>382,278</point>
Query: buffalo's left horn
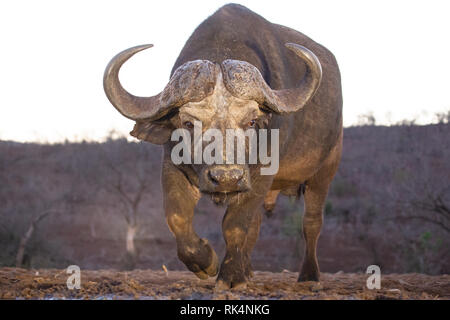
<point>245,80</point>
<point>127,104</point>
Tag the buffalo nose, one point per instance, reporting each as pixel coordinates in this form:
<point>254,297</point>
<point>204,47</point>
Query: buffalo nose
<point>227,177</point>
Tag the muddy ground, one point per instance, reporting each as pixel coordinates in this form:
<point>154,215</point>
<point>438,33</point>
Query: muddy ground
<point>18,283</point>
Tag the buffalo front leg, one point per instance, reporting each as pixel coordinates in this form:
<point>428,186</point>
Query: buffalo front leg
<point>240,230</point>
<point>180,199</point>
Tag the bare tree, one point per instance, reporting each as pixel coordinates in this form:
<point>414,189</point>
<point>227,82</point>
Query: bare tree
<point>424,194</point>
<point>31,197</point>
<point>26,237</point>
<point>130,200</point>
<point>127,180</point>
<point>432,206</point>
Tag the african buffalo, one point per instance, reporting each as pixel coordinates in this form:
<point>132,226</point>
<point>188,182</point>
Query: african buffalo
<point>238,70</point>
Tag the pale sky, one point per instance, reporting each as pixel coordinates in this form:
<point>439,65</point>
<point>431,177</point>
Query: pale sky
<point>394,57</point>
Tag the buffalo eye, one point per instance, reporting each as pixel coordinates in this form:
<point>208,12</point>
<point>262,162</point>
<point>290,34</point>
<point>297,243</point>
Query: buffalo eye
<point>188,125</point>
<point>252,123</point>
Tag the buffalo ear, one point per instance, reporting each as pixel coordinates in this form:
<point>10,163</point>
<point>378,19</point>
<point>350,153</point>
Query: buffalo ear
<point>152,131</point>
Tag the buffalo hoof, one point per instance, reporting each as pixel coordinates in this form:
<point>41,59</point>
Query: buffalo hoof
<point>211,270</point>
<point>234,273</point>
<point>222,285</point>
<point>200,258</point>
<point>309,275</point>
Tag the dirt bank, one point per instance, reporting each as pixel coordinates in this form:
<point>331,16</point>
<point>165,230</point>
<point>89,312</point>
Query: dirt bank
<point>148,284</point>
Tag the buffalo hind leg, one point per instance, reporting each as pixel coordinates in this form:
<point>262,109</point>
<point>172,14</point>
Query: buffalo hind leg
<point>252,237</point>
<point>312,224</point>
<point>180,199</point>
<point>316,191</point>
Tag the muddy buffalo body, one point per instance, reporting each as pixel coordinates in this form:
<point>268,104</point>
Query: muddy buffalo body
<point>240,71</point>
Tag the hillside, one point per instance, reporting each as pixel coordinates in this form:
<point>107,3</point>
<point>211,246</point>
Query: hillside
<point>388,205</point>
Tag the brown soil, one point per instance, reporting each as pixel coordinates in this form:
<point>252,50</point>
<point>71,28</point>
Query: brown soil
<point>18,283</point>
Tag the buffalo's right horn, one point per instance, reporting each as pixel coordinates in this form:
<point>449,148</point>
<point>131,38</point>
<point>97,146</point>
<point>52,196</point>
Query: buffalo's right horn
<point>127,104</point>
